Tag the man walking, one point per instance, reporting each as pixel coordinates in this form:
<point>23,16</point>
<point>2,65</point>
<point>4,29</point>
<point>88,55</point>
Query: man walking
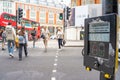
<point>10,36</point>
<point>33,33</point>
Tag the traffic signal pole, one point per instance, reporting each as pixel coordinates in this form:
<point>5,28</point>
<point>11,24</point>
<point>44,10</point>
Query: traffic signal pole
<point>64,20</point>
<point>16,21</point>
<point>108,7</point>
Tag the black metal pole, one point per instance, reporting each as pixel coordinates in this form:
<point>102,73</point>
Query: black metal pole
<point>64,21</point>
<point>108,7</point>
<point>16,21</point>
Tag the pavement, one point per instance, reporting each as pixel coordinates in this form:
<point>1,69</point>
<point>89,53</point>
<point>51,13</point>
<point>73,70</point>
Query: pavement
<point>74,43</point>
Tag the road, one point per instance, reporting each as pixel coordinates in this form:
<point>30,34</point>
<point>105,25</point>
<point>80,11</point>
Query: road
<point>65,64</point>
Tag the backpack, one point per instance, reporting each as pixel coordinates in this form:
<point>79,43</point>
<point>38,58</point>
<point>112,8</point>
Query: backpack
<point>21,39</point>
<point>42,36</point>
<point>9,33</point>
<point>4,35</point>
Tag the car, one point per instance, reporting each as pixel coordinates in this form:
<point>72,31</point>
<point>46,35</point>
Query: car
<point>119,53</point>
<point>53,37</point>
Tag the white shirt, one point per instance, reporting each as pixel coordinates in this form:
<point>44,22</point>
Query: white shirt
<point>60,35</point>
<point>45,33</point>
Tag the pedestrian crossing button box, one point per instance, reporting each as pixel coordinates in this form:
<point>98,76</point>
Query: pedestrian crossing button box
<point>101,43</point>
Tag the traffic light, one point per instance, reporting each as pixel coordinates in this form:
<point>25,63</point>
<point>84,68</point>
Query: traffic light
<point>61,16</point>
<point>68,12</point>
<point>20,13</point>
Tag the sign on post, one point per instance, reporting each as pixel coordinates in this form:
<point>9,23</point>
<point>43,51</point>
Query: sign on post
<point>101,44</point>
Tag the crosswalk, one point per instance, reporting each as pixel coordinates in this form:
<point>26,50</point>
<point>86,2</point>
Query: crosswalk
<point>37,46</point>
<point>42,47</point>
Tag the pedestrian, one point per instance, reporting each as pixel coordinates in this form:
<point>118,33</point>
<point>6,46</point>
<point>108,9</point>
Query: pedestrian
<point>10,36</point>
<point>45,35</point>
<point>60,36</point>
<point>3,39</point>
<point>33,33</point>
<point>16,41</point>
<point>23,39</point>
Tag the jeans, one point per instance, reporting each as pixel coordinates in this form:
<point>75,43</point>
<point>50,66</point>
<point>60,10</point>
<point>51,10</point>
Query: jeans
<point>10,46</point>
<point>20,50</point>
<point>33,37</point>
<point>60,43</point>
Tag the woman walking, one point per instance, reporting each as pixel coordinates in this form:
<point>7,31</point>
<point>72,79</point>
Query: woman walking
<point>60,38</point>
<point>45,35</point>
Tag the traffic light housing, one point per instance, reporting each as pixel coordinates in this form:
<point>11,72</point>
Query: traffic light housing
<point>61,16</point>
<point>20,13</point>
<point>68,12</point>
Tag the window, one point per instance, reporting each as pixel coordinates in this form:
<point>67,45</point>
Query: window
<point>6,16</point>
<point>13,18</point>
<point>4,4</point>
<point>27,23</point>
<point>33,15</point>
<point>42,20</point>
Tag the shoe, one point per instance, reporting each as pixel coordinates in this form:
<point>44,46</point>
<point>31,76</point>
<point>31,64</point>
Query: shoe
<point>26,55</point>
<point>3,48</point>
<point>11,55</point>
<point>59,49</point>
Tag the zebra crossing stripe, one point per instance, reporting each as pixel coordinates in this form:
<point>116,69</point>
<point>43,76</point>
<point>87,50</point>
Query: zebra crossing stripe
<point>41,47</point>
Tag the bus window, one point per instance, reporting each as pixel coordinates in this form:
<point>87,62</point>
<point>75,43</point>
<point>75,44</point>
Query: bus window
<point>27,23</point>
<point>6,16</point>
<point>33,24</point>
<point>13,18</point>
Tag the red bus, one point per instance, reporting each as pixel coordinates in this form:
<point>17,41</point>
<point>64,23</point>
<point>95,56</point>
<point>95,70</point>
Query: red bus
<point>28,24</point>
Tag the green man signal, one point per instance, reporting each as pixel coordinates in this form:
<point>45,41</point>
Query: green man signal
<point>61,16</point>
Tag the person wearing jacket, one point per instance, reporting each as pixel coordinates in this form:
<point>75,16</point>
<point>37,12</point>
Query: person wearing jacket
<point>10,36</point>
<point>23,39</point>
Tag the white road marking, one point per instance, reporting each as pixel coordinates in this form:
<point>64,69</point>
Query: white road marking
<point>56,56</point>
<point>53,78</point>
<point>54,71</point>
<point>55,64</point>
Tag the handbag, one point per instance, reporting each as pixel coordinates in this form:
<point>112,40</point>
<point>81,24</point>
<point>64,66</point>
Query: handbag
<point>64,42</point>
<point>43,36</point>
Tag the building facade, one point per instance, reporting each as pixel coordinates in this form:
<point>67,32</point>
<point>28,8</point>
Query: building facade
<point>7,6</point>
<point>47,16</point>
<point>47,13</point>
<point>84,2</point>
